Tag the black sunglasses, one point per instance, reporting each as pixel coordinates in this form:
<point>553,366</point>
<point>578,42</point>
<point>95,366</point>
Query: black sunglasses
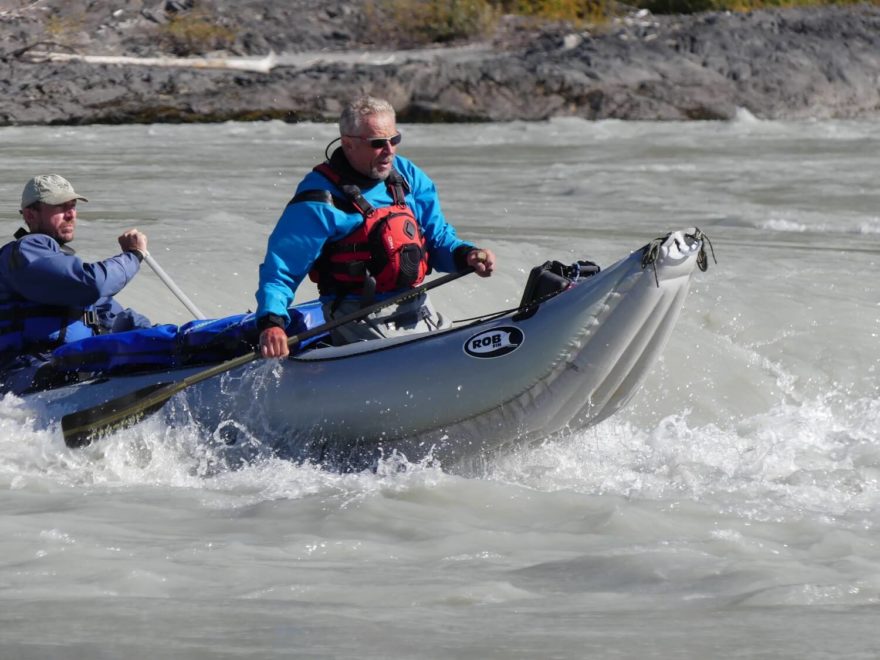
<point>379,143</point>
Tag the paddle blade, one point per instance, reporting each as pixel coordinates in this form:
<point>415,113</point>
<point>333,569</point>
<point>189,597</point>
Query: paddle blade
<point>81,427</point>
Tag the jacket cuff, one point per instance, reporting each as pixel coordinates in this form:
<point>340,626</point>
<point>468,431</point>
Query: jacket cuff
<point>271,321</point>
<point>459,255</point>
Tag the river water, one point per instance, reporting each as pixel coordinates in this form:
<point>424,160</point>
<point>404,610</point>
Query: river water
<point>731,511</point>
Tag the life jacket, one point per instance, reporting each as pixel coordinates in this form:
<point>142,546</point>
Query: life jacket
<point>29,327</point>
<point>385,253</point>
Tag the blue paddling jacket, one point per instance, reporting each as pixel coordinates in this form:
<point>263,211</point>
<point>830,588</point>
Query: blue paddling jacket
<point>304,228</point>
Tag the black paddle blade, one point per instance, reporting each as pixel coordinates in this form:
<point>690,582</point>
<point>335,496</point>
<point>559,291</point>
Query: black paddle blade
<point>81,427</point>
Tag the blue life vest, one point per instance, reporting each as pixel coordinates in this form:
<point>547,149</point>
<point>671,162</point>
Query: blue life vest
<point>27,327</point>
<point>32,327</point>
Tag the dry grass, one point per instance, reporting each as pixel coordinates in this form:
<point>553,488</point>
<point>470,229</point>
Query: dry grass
<point>195,33</point>
<point>420,22</point>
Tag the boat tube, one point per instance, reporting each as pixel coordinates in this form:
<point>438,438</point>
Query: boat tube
<point>574,351</point>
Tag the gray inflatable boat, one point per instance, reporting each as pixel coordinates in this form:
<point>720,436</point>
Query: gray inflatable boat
<point>572,353</point>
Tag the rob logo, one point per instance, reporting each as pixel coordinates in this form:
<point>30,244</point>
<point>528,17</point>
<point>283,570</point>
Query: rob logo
<point>494,343</point>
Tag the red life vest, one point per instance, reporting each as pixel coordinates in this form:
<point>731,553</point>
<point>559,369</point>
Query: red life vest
<point>386,252</point>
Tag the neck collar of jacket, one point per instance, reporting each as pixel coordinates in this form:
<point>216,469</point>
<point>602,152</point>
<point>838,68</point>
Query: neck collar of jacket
<point>22,232</point>
<point>340,163</point>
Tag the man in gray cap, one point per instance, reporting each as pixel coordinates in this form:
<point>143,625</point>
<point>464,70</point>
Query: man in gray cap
<point>48,295</point>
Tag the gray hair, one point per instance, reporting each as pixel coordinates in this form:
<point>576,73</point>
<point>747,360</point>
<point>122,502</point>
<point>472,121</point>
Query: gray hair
<point>356,110</point>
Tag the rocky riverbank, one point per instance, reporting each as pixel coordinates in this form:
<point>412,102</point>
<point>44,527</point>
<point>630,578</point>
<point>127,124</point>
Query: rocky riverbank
<point>794,63</point>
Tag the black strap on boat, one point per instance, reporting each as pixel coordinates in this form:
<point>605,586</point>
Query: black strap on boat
<point>702,261</point>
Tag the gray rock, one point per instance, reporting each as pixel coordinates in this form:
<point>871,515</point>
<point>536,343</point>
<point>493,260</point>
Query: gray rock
<point>795,63</point>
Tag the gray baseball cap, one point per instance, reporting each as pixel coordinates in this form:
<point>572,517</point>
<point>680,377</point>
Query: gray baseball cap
<point>49,189</point>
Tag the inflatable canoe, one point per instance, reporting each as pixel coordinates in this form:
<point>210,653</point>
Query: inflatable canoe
<point>573,352</point>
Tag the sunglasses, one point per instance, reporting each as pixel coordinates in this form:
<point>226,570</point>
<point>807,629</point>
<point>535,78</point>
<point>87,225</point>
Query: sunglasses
<point>379,143</point>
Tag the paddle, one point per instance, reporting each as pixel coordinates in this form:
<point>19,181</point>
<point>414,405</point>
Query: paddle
<point>181,296</point>
<point>79,428</point>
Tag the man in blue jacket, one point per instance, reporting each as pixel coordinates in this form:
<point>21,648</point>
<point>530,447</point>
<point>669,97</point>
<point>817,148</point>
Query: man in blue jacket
<point>48,295</point>
<point>364,224</point>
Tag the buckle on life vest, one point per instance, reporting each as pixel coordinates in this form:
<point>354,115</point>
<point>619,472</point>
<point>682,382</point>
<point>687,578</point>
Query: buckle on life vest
<point>90,318</point>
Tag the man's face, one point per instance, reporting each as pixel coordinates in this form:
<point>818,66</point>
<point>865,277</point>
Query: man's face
<point>55,220</point>
<point>374,162</point>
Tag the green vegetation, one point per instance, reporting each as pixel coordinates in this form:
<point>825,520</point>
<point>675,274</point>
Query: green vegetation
<point>64,30</point>
<point>575,11</point>
<point>693,6</point>
<point>195,33</point>
<point>413,22</point>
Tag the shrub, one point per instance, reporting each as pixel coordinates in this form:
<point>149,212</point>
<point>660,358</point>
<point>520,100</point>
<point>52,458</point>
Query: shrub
<point>195,33</point>
<point>64,30</point>
<point>412,22</point>
<point>572,11</point>
<point>694,6</point>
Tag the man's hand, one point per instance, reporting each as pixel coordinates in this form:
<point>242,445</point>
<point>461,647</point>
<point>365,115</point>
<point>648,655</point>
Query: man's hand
<point>482,261</point>
<point>133,240</point>
<point>273,343</point>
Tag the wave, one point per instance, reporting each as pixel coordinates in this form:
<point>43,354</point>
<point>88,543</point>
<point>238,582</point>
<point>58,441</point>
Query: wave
<point>804,225</point>
<point>813,460</point>
<point>816,460</point>
<point>157,455</point>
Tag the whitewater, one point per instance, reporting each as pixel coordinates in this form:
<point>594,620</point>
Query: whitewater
<point>731,510</point>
